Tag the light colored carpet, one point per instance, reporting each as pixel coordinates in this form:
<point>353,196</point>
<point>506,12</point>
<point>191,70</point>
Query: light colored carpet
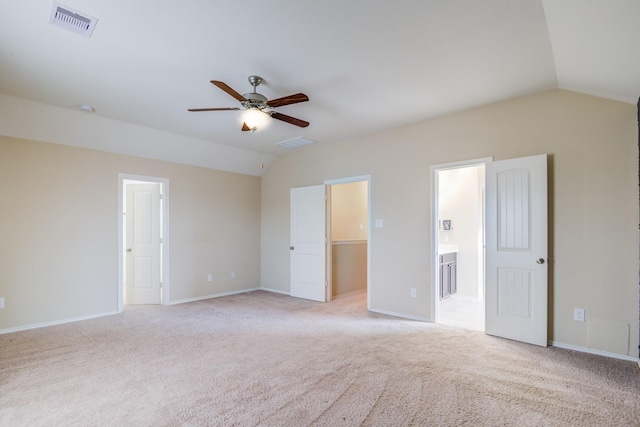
<point>267,359</point>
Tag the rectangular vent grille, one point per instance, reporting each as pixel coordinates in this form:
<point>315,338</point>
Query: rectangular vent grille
<point>295,142</point>
<point>72,20</point>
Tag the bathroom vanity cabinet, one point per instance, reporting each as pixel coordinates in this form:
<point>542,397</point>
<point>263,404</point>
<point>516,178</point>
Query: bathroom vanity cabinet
<point>448,274</point>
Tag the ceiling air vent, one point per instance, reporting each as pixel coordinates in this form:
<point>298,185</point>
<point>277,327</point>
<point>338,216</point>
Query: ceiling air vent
<point>295,142</point>
<point>72,20</point>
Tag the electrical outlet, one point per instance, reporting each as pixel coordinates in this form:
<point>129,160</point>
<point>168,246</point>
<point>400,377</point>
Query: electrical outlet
<point>578,314</point>
<point>413,292</point>
<point>1,302</point>
<point>233,274</point>
<point>209,277</point>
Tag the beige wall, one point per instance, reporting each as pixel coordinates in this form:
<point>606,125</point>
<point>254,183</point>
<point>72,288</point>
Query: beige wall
<point>349,211</point>
<point>593,180</point>
<point>348,267</point>
<point>58,230</point>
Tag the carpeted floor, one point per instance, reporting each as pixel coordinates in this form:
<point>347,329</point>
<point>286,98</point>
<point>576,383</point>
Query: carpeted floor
<point>267,359</point>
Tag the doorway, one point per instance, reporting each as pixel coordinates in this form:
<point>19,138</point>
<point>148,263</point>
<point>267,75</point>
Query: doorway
<point>458,242</point>
<point>515,249</point>
<point>310,238</point>
<point>349,236</point>
<point>142,240</point>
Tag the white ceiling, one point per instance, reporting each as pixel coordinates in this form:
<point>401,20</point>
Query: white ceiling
<point>366,65</point>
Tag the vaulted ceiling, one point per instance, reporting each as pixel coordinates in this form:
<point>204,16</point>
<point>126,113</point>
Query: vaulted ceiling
<point>366,65</point>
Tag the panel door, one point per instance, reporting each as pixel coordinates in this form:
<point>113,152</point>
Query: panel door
<point>143,244</point>
<point>516,253</point>
<point>308,242</point>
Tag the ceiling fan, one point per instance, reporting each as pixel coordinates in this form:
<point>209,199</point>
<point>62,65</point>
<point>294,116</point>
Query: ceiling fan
<point>258,102</point>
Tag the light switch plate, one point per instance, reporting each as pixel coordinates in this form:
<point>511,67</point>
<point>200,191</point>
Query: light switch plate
<point>2,302</point>
<point>379,223</point>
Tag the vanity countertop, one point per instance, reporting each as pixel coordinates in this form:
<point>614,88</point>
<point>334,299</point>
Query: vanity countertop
<point>447,248</point>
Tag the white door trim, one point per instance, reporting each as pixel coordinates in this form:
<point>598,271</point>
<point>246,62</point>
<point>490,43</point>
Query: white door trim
<point>165,233</point>
<point>434,169</point>
<point>330,182</point>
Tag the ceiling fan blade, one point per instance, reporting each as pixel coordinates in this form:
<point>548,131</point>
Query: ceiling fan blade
<point>245,128</point>
<point>286,100</point>
<point>227,89</point>
<point>289,119</point>
<point>214,109</point>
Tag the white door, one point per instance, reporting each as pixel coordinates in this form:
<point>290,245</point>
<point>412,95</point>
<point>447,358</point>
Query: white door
<point>143,244</point>
<point>307,249</point>
<point>516,249</point>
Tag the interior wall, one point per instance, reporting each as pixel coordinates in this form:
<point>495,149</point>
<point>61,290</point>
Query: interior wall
<point>593,210</point>
<point>58,230</point>
<point>26,119</point>
<point>349,211</point>
<point>458,201</point>
<point>348,267</point>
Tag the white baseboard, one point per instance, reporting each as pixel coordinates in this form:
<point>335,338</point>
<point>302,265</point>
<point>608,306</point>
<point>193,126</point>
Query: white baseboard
<point>594,351</point>
<point>109,313</point>
<point>221,294</point>
<point>405,316</point>
<point>56,322</point>
<point>277,291</point>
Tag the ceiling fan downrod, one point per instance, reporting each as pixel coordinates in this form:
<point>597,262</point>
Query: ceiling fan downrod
<point>254,99</point>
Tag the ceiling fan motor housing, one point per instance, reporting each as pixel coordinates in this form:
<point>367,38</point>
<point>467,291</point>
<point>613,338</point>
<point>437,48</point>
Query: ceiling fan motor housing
<point>254,100</point>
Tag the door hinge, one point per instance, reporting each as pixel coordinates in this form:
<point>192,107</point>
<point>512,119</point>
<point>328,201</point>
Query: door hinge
<point>326,284</point>
<point>326,240</point>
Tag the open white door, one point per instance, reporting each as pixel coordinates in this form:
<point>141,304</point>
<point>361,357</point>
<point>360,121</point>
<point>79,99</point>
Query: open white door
<point>308,244</point>
<point>143,244</point>
<point>516,249</point>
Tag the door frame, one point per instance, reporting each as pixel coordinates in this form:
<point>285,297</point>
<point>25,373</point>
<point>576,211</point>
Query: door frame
<point>329,183</point>
<point>435,273</point>
<point>164,265</point>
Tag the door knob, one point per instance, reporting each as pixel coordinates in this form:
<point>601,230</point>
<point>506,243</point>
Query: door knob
<point>540,260</point>
<point>128,249</point>
<point>291,248</point>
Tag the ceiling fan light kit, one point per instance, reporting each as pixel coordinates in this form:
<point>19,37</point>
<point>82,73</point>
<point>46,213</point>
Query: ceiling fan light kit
<point>255,103</point>
<point>253,118</point>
